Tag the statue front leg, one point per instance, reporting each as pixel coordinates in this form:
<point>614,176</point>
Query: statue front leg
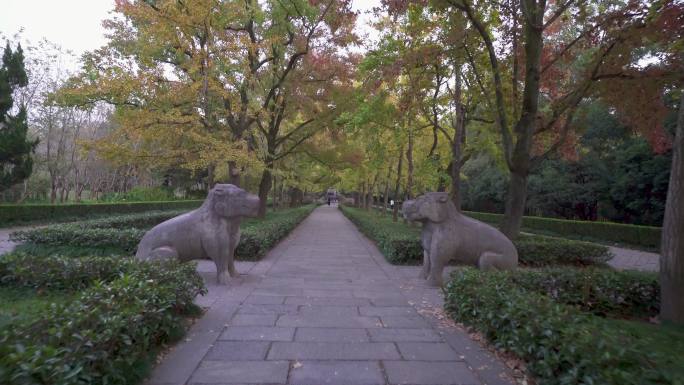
<point>230,261</point>
<point>217,254</point>
<point>425,271</point>
<point>437,262</point>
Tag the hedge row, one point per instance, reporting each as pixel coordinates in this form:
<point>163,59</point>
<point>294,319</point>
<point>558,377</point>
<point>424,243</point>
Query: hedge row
<point>561,343</point>
<point>12,214</point>
<point>108,333</point>
<point>644,236</point>
<point>400,243</point>
<point>60,273</point>
<point>125,232</point>
<point>602,292</point>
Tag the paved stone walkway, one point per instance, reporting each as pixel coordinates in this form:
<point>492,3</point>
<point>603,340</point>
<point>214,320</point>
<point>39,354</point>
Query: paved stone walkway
<point>324,307</point>
<point>629,259</point>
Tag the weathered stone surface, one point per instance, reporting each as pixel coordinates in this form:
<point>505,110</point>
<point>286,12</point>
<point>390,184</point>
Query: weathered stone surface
<point>401,335</point>
<point>337,373</point>
<point>211,231</point>
<point>254,320</point>
<point>331,335</point>
<point>327,301</point>
<point>449,235</point>
<point>237,351</point>
<point>401,321</point>
<point>429,373</point>
<point>387,310</point>
<point>333,351</point>
<point>257,333</point>
<point>427,351</point>
<point>329,321</point>
<point>242,372</point>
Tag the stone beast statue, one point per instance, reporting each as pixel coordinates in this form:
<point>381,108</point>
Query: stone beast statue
<point>449,235</point>
<point>211,231</point>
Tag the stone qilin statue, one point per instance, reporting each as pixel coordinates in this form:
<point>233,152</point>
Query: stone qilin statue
<point>211,231</point>
<point>449,235</point>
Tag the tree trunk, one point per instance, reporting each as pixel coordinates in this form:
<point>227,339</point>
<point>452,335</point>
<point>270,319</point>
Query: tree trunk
<point>395,210</point>
<point>370,199</point>
<point>211,176</point>
<point>275,194</point>
<point>264,189</point>
<point>233,174</point>
<point>519,164</point>
<point>53,191</point>
<point>362,199</point>
<point>387,187</point>
<point>515,205</point>
<point>456,144</point>
<point>672,241</point>
<point>409,168</point>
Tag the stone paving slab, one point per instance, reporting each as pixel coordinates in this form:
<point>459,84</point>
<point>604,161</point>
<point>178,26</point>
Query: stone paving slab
<point>331,335</point>
<point>324,307</point>
<point>333,351</point>
<point>338,373</point>
<point>257,333</point>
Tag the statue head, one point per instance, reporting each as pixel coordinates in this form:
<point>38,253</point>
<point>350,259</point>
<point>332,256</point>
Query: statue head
<point>230,201</point>
<point>429,207</point>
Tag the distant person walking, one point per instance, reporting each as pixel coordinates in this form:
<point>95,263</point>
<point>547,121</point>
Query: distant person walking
<point>392,204</point>
<point>328,201</point>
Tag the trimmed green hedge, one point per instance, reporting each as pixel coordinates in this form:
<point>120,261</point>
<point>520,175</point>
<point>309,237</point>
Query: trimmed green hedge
<point>12,214</point>
<point>644,236</point>
<point>105,336</point>
<point>124,232</point>
<point>603,292</point>
<point>400,243</point>
<point>60,273</point>
<point>532,315</point>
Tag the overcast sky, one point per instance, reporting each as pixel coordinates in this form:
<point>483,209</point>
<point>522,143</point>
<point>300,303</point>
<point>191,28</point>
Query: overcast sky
<point>77,24</point>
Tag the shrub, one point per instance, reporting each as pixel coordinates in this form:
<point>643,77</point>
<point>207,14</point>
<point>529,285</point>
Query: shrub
<point>539,250</point>
<point>107,333</point>
<point>12,214</point>
<point>560,343</point>
<point>75,235</point>
<point>400,244</point>
<point>624,294</point>
<point>61,273</point>
<point>259,236</point>
<point>143,220</point>
<point>644,236</point>
<point>142,194</point>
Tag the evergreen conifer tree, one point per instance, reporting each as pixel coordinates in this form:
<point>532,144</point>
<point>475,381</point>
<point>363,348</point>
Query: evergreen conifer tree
<point>16,149</point>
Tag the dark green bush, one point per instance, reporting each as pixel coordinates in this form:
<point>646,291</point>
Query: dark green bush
<point>105,335</point>
<point>539,250</point>
<point>59,273</point>
<point>73,234</point>
<point>259,236</point>
<point>12,214</point>
<point>644,236</point>
<point>560,343</point>
<point>400,243</point>
<point>624,294</point>
<point>144,220</point>
<point>125,232</point>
